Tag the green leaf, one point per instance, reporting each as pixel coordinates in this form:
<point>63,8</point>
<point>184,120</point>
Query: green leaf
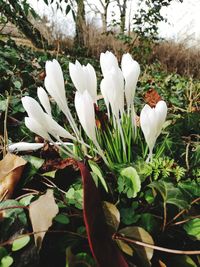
<point>137,233</point>
<point>96,170</point>
<point>21,242</point>
<point>6,261</point>
<point>62,218</point>
<point>170,194</point>
<point>3,105</point>
<point>17,84</point>
<point>132,180</point>
<point>36,162</point>
<point>192,228</point>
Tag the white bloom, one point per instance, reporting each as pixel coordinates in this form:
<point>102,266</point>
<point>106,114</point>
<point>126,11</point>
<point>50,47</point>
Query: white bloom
<point>152,120</point>
<point>44,100</point>
<point>33,108</point>
<point>40,122</point>
<point>54,83</point>
<point>112,89</point>
<point>85,110</point>
<point>108,61</point>
<point>37,128</point>
<point>84,78</point>
<point>131,72</point>
<point>55,129</point>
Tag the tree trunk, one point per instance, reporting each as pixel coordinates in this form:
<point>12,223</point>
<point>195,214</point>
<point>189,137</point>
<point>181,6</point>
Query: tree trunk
<point>80,24</point>
<point>15,14</point>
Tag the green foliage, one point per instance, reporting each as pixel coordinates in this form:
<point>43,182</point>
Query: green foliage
<point>19,243</point>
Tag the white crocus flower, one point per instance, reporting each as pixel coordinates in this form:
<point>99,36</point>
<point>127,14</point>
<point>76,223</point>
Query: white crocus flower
<point>42,123</point>
<point>37,128</point>
<point>108,61</point>
<point>44,100</point>
<point>55,129</point>
<point>33,109</point>
<point>131,72</point>
<point>84,78</point>
<point>54,84</point>
<point>112,89</point>
<point>85,110</point>
<point>152,120</point>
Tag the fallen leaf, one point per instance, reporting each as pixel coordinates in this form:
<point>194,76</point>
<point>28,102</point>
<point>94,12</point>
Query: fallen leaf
<point>137,233</point>
<point>152,97</point>
<point>42,211</point>
<point>103,248</point>
<point>112,215</point>
<point>11,168</point>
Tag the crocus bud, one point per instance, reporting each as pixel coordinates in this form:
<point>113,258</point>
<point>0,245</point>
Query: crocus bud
<point>54,84</point>
<point>131,72</point>
<point>108,61</point>
<point>84,78</point>
<point>85,110</point>
<point>44,100</point>
<point>112,88</point>
<point>151,121</point>
<point>33,108</point>
<point>37,128</point>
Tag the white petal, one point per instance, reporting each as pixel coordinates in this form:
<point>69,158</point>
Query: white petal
<point>54,72</point>
<point>33,108</point>
<point>131,72</point>
<point>76,75</point>
<point>55,129</point>
<point>37,128</point>
<point>108,61</point>
<point>85,110</point>
<point>44,99</point>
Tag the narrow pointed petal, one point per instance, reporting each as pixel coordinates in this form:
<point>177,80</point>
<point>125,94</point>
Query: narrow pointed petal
<point>108,61</point>
<point>44,100</point>
<point>37,128</point>
<point>131,72</point>
<point>85,110</point>
<point>84,78</point>
<point>55,129</point>
<point>33,108</point>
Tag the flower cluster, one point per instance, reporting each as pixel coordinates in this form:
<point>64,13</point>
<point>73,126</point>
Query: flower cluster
<point>117,87</point>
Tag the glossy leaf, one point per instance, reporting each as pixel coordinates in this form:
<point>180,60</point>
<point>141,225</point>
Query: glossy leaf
<point>21,242</point>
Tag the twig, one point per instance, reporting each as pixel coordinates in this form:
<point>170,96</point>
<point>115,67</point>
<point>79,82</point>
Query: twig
<point>144,244</point>
<point>10,241</point>
<point>183,211</point>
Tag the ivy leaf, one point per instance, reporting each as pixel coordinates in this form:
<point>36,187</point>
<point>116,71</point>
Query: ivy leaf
<point>21,242</point>
<point>132,183</point>
<point>170,194</point>
<point>6,261</point>
<point>192,228</point>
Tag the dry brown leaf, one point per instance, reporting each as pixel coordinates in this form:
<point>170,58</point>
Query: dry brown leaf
<point>42,211</point>
<point>11,168</point>
<point>152,97</point>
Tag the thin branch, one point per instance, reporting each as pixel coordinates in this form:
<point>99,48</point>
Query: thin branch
<point>144,244</point>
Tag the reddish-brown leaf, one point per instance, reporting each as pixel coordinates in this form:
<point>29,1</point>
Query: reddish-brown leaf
<point>103,248</point>
<point>152,97</point>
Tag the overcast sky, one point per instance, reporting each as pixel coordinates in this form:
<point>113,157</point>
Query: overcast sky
<point>183,18</point>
